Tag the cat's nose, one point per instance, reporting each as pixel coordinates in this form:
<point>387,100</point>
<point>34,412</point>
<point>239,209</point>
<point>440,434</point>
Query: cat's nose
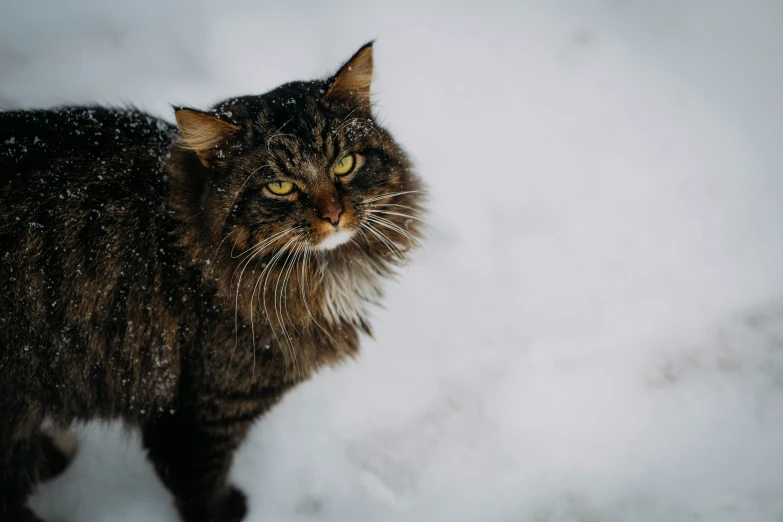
<point>332,213</point>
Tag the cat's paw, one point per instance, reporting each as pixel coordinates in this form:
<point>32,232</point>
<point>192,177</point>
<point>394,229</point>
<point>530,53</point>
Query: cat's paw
<point>22,515</point>
<point>58,448</point>
<point>234,507</point>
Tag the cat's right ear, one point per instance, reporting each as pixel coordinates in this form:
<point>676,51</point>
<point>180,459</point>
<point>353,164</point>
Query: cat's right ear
<point>352,82</point>
<point>202,132</point>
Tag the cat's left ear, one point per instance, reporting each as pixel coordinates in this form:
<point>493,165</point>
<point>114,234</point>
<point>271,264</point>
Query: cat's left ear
<point>352,82</point>
<point>202,132</point>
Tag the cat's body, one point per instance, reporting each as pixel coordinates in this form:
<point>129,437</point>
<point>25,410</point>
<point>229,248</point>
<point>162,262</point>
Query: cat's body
<point>145,277</point>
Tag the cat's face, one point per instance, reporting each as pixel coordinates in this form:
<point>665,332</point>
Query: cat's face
<point>305,166</point>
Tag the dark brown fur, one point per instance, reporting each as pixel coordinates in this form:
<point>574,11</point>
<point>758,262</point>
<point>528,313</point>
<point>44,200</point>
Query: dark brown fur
<point>131,286</point>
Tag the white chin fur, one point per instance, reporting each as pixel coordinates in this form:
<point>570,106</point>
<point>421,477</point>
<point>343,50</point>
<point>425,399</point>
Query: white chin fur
<point>338,238</point>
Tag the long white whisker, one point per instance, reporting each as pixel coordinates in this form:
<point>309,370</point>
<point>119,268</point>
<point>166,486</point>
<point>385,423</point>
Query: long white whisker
<point>297,255</point>
<point>394,249</point>
<point>284,304</point>
<point>392,213</point>
<point>259,249</point>
<point>360,230</point>
<point>214,253</point>
<point>244,264</point>
<point>388,195</point>
<point>263,242</point>
<point>392,226</point>
<point>305,262</point>
<point>373,205</point>
<point>236,309</point>
<point>278,310</point>
<point>268,271</point>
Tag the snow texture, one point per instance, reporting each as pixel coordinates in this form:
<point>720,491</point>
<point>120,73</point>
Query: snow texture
<point>595,329</point>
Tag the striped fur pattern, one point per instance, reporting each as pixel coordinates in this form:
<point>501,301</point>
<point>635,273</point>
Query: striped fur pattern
<point>148,273</point>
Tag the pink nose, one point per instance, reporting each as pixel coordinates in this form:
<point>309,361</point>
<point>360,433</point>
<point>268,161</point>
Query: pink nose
<point>333,215</point>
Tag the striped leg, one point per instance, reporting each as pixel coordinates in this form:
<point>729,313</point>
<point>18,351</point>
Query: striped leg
<point>193,457</point>
<point>27,456</point>
<point>17,479</point>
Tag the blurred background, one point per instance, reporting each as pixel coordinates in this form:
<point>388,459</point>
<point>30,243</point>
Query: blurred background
<point>594,331</point>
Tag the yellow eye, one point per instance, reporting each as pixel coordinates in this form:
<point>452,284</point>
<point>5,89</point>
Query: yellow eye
<point>281,188</point>
<point>344,166</point>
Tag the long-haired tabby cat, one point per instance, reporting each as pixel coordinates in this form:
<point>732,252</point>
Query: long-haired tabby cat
<point>182,279</point>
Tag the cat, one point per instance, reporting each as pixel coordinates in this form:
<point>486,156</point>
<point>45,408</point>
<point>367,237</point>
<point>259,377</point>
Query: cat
<point>183,278</point>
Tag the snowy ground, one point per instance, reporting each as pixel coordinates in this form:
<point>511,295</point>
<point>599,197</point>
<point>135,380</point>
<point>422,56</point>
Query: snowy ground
<point>595,331</point>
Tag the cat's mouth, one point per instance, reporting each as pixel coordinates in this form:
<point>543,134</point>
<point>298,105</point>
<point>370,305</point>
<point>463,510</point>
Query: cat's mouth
<point>335,239</point>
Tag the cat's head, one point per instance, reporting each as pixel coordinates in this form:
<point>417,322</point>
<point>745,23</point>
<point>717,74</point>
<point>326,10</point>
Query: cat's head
<point>304,167</point>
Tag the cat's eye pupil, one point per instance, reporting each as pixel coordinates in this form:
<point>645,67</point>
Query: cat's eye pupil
<point>345,165</point>
<point>281,188</point>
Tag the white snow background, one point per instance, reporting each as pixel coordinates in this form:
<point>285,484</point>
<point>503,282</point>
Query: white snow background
<point>594,332</point>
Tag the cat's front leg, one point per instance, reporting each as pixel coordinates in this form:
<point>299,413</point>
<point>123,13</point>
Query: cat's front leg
<point>192,454</point>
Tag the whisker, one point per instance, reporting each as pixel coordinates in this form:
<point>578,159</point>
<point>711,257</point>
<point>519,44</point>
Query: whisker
<point>260,248</point>
<point>261,245</point>
<point>284,304</point>
<point>268,271</point>
<point>231,206</point>
<point>386,196</point>
<point>244,264</point>
<point>278,310</point>
<point>297,255</point>
<point>223,241</point>
<point>391,213</point>
<point>394,249</point>
<point>279,134</point>
<point>236,308</point>
<point>263,242</point>
<point>394,205</point>
<point>340,126</point>
<point>214,252</point>
<point>276,133</point>
<point>394,227</point>
<point>389,240</point>
<point>305,262</point>
<point>360,230</point>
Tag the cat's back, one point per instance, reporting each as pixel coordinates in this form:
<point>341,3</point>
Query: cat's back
<point>62,163</point>
<point>86,260</point>
<point>63,142</point>
<point>83,191</point>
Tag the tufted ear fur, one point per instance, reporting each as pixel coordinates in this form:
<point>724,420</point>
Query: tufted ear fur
<point>352,82</point>
<point>202,132</point>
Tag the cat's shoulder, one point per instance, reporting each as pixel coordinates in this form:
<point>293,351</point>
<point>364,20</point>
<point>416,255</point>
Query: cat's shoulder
<point>81,123</point>
<point>90,115</point>
<point>62,131</point>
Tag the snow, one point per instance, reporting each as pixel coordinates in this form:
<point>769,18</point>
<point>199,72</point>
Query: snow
<point>595,329</point>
